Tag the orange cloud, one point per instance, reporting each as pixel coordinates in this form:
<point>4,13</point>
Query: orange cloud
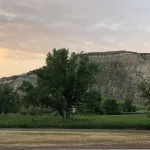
<point>14,62</point>
<point>4,55</point>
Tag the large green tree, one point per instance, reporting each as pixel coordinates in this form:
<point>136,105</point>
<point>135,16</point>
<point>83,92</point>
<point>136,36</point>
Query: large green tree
<point>66,80</point>
<point>9,100</point>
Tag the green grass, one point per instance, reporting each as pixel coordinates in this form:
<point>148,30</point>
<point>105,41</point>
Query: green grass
<point>78,122</point>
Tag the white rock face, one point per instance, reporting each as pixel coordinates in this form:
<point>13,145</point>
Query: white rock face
<point>16,81</point>
<point>121,73</point>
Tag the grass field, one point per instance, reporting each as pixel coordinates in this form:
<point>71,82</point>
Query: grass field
<point>71,137</point>
<point>78,122</point>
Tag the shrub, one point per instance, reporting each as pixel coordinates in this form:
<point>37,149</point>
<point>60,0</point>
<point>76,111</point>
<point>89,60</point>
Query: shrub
<point>148,114</point>
<point>92,103</point>
<point>128,106</point>
<point>111,106</point>
<point>23,113</point>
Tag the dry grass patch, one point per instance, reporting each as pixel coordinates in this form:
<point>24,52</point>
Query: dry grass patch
<point>8,137</point>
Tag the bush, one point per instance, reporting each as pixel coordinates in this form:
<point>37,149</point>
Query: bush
<point>128,106</point>
<point>111,106</point>
<point>92,103</point>
<point>23,113</point>
<point>148,114</point>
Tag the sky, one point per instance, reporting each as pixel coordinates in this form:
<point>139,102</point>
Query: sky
<point>29,29</point>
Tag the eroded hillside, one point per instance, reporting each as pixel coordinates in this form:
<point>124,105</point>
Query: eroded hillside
<point>121,72</point>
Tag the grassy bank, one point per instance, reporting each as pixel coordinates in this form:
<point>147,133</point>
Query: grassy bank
<point>78,122</point>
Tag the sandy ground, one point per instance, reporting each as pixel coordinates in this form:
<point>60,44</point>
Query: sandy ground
<point>73,139</point>
<point>81,147</point>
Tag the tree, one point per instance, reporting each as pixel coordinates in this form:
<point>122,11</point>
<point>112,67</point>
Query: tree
<point>128,106</point>
<point>145,92</point>
<point>111,106</point>
<point>30,94</point>
<point>66,80</point>
<point>9,100</point>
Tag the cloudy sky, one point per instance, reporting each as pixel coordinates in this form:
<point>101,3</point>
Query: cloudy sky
<point>31,28</point>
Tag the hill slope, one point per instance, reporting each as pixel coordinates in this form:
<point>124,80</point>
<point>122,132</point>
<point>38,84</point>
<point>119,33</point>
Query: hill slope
<point>121,72</point>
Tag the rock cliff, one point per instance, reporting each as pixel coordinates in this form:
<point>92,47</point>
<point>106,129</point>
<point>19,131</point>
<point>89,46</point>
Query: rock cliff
<point>121,72</point>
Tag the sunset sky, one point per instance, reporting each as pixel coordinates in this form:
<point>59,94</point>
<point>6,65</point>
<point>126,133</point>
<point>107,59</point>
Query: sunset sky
<point>31,28</point>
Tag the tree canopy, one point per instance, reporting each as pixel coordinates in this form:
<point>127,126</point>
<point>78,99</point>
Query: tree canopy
<point>30,96</point>
<point>66,80</point>
<point>9,100</point>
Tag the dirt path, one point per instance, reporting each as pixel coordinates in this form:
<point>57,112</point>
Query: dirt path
<point>84,147</point>
<point>73,139</point>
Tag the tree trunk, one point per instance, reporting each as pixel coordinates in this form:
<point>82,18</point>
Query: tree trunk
<point>0,110</point>
<point>67,115</point>
<point>61,113</point>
